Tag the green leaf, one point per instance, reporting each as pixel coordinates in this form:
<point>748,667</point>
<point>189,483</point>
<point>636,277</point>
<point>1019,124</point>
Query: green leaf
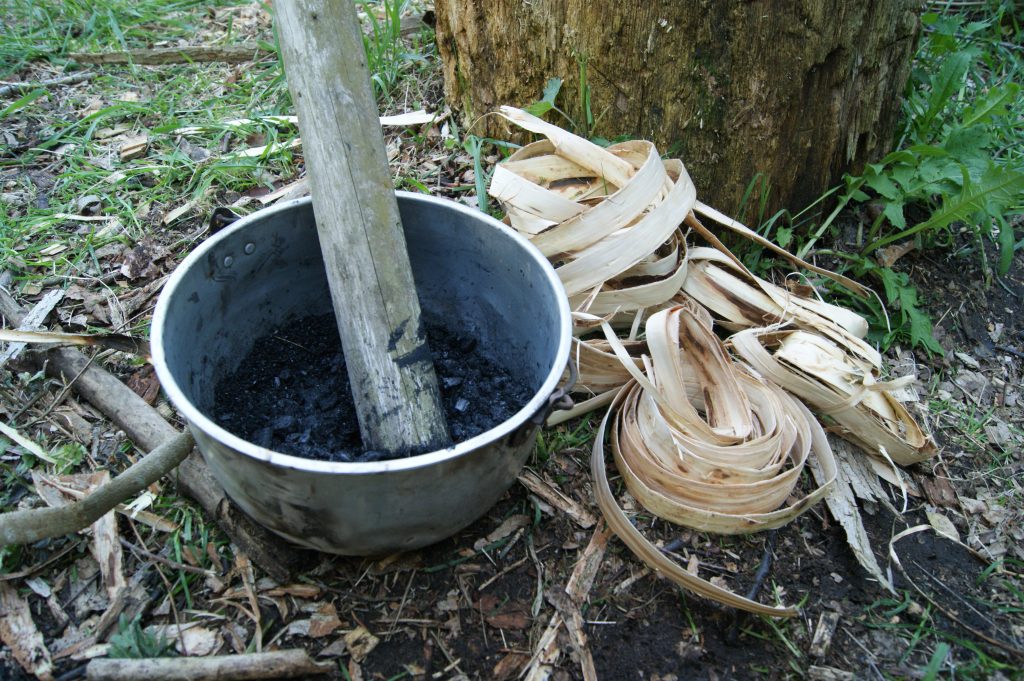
<point>475,145</point>
<point>921,334</point>
<point>997,189</point>
<point>931,672</point>
<point>964,143</point>
<point>892,282</point>
<point>894,214</point>
<point>538,108</point>
<point>551,89</point>
<point>21,103</point>
<point>1006,245</point>
<point>784,236</point>
<point>944,85</point>
<point>883,185</point>
<point>547,100</point>
<point>992,104</point>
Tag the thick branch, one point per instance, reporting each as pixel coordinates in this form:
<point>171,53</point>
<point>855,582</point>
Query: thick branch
<point>281,664</point>
<point>232,54</point>
<point>144,425</point>
<point>25,527</point>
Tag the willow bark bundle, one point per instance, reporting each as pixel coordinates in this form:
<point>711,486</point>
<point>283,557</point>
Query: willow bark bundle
<point>608,217</point>
<point>698,439</point>
<point>839,386</point>
<point>701,442</point>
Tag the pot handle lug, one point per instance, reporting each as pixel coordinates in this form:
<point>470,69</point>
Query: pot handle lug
<point>559,400</point>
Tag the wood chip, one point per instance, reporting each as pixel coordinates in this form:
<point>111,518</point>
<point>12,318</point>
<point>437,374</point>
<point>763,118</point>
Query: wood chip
<point>324,621</point>
<point>510,525</point>
<point>823,633</point>
<point>360,643</point>
<point>556,498</point>
<point>18,631</point>
<point>133,147</point>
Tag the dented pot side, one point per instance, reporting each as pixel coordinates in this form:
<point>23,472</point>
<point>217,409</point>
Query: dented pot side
<point>471,271</point>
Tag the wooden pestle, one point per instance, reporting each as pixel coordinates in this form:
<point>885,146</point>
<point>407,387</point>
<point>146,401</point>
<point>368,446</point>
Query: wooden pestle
<point>394,386</point>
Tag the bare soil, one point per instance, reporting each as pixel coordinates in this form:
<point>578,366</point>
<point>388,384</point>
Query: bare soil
<point>475,605</point>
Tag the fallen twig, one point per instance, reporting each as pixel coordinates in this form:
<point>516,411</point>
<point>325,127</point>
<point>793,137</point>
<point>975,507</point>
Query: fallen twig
<point>144,425</point>
<point>70,79</point>
<point>232,54</point>
<point>568,613</point>
<point>25,527</point>
<point>280,664</point>
<point>113,341</point>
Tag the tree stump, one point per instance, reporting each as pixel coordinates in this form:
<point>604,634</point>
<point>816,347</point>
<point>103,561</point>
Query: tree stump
<point>800,91</point>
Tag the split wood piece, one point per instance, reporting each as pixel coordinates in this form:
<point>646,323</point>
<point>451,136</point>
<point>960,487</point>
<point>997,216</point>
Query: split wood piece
<point>147,429</point>
<point>557,498</point>
<point>823,634</point>
<point>18,631</point>
<point>231,54</point>
<point>133,147</point>
<point>395,389</point>
<point>70,79</point>
<point>28,526</point>
<point>569,614</point>
<point>280,664</point>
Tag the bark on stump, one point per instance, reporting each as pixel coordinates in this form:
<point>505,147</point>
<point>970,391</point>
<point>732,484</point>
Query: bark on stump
<point>798,90</point>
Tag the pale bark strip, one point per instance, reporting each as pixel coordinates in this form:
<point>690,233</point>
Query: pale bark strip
<point>231,54</point>
<point>18,631</point>
<point>394,385</point>
<point>25,527</point>
<point>281,664</point>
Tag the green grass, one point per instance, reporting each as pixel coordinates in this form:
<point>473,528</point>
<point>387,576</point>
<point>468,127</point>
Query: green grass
<point>58,148</point>
<point>932,650</point>
<point>64,130</point>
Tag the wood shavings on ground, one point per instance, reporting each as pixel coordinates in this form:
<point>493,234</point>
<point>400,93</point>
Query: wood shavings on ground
<point>692,430</point>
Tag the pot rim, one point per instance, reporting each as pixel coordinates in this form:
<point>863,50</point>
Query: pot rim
<point>200,421</point>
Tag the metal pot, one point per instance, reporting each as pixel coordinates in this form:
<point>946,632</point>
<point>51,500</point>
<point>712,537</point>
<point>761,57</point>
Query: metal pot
<point>484,280</point>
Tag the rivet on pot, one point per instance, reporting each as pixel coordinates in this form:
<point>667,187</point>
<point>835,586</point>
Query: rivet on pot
<point>249,248</point>
<point>228,261</point>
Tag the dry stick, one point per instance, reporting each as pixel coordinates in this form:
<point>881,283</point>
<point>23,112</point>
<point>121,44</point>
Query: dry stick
<point>281,664</point>
<point>26,527</point>
<point>147,429</point>
<point>394,386</point>
<point>232,54</point>
<point>71,79</point>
